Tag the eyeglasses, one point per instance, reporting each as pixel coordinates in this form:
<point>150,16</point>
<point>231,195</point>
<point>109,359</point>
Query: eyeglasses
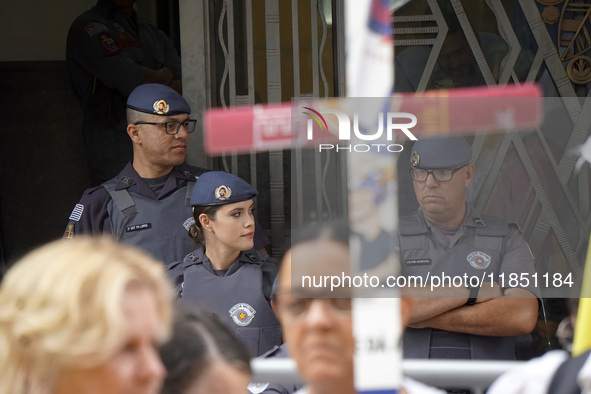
<point>173,127</point>
<point>440,175</point>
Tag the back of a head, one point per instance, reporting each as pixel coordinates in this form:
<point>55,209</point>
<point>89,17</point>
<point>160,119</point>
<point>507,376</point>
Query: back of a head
<point>198,339</point>
<point>316,251</point>
<point>61,305</point>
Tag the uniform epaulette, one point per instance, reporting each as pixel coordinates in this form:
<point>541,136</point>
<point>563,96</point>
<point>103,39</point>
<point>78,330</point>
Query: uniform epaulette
<point>515,226</point>
<point>412,225</point>
<point>271,352</point>
<point>191,259</point>
<point>126,179</point>
<point>92,189</point>
<point>192,172</point>
<point>252,256</point>
<point>256,256</point>
<point>173,265</point>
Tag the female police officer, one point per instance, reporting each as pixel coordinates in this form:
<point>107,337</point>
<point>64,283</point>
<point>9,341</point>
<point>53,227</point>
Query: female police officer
<point>225,274</point>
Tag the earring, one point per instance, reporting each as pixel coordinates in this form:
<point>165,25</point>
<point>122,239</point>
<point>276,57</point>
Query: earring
<point>211,231</point>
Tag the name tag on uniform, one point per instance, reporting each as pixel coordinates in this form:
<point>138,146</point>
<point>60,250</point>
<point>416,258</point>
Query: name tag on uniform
<point>137,227</point>
<point>418,262</point>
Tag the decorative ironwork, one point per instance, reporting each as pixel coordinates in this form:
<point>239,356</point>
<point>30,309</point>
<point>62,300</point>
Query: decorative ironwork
<point>574,40</point>
<point>579,70</point>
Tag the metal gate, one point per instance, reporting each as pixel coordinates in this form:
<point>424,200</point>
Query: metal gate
<point>529,177</point>
<point>268,51</point>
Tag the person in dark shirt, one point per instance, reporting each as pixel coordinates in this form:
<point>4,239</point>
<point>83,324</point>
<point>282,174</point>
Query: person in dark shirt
<point>109,53</point>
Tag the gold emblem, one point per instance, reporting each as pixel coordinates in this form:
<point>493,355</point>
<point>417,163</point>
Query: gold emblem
<point>223,193</point>
<point>161,107</point>
<point>573,40</point>
<point>415,159</point>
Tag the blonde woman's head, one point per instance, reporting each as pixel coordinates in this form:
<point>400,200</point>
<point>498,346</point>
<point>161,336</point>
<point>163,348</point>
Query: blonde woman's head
<point>76,306</point>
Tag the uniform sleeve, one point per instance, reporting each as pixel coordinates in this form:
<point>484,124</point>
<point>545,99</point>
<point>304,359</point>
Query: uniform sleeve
<point>158,50</point>
<point>98,52</point>
<point>176,274</point>
<point>518,262</point>
<point>172,59</point>
<point>90,216</point>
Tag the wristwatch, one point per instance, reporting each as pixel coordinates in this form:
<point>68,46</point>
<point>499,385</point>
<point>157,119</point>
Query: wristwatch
<point>473,295</point>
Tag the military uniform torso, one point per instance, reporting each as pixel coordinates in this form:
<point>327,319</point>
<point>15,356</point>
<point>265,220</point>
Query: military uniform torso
<point>240,298</point>
<point>484,248</point>
<point>128,209</point>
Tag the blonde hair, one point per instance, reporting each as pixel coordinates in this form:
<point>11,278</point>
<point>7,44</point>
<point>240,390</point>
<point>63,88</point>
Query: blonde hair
<point>61,305</point>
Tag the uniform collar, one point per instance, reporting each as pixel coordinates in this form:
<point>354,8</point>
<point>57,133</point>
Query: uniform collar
<point>472,218</point>
<point>128,178</point>
<point>198,256</point>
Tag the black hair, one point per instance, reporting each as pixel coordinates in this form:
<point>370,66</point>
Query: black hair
<point>198,338</point>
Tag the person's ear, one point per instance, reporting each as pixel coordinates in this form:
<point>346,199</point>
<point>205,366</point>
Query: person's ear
<point>470,170</point>
<point>134,133</point>
<point>205,222</point>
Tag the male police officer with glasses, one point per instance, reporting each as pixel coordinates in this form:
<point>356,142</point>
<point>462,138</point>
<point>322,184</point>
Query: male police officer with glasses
<point>479,316</point>
<point>148,203</point>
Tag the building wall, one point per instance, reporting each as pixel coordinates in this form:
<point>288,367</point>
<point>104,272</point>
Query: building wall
<point>43,168</point>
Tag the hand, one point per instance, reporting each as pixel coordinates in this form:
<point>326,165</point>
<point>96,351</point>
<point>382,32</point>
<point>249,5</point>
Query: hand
<point>176,85</point>
<point>163,76</point>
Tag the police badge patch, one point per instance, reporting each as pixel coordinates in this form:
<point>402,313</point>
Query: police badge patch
<point>223,193</point>
<point>242,314</point>
<point>188,223</point>
<point>415,159</point>
<point>161,107</point>
<point>258,387</point>
<point>77,213</point>
<point>479,260</point>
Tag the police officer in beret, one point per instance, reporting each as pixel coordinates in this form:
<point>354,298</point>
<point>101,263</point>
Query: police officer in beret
<point>148,203</point>
<point>225,273</point>
<point>480,318</point>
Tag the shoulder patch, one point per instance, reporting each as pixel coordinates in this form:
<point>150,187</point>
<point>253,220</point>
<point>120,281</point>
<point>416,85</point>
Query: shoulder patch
<point>110,46</point>
<point>94,28</point>
<point>69,233</point>
<point>77,213</point>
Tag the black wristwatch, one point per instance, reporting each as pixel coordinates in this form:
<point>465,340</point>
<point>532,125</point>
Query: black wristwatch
<point>473,295</point>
